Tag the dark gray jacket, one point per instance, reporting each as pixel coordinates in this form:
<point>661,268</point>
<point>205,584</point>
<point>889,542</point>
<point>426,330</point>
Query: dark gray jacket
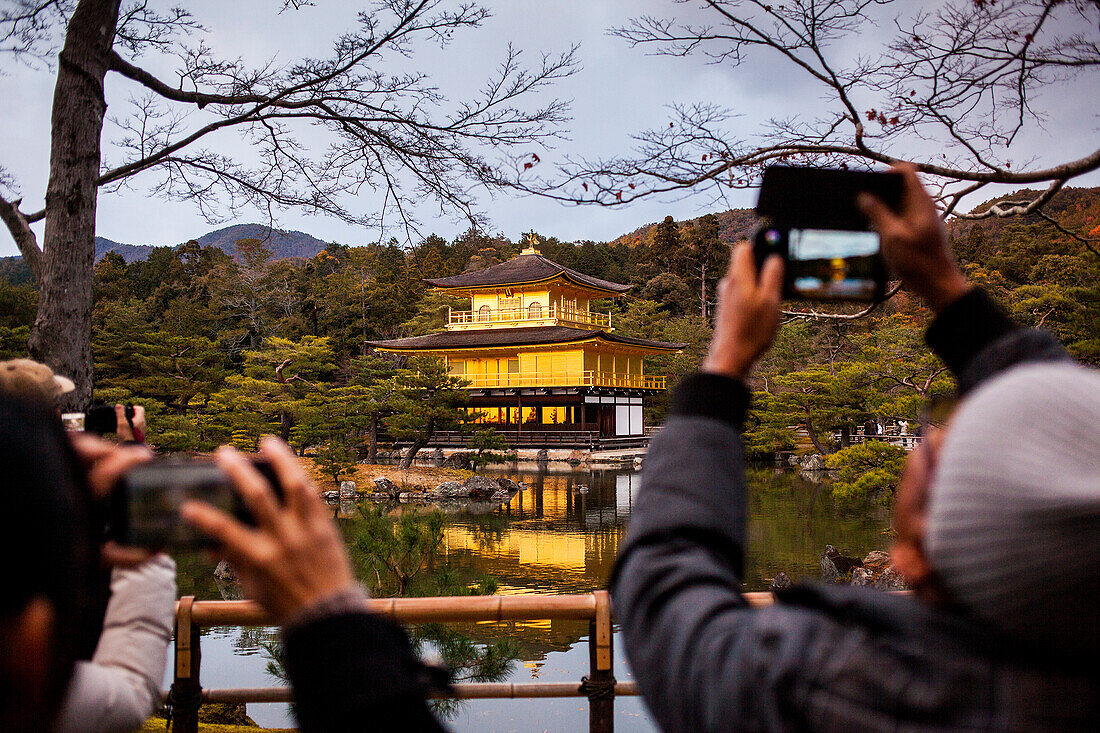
<point>823,657</point>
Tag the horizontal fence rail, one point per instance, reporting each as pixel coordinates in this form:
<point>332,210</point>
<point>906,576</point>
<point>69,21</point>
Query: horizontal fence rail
<point>599,686</point>
<point>586,378</point>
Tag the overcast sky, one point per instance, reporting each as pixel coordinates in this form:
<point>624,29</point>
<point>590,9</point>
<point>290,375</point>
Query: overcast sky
<point>619,92</point>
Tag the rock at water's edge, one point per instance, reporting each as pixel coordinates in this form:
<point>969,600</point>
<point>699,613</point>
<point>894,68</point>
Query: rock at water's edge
<point>481,487</point>
<point>385,486</point>
<point>862,576</point>
<point>834,566</point>
<point>225,572</point>
<point>448,490</point>
<point>815,462</point>
<point>876,561</point>
<point>509,485</point>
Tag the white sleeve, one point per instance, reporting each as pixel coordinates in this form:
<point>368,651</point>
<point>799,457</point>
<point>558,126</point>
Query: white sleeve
<point>120,687</point>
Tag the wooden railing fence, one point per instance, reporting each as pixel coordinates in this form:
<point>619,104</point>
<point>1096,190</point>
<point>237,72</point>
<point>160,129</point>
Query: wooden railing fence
<point>599,686</point>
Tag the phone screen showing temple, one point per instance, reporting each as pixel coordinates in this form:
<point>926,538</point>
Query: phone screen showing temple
<point>831,264</point>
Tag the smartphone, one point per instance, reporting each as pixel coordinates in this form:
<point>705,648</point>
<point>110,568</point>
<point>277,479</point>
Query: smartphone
<point>101,419</point>
<point>144,505</point>
<point>811,220</point>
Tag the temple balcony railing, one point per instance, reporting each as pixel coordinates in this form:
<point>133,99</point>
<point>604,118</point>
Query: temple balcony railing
<point>553,314</point>
<point>562,379</point>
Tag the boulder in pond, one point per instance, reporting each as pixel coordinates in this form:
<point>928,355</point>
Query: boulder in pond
<point>890,579</point>
<point>862,576</point>
<point>542,456</point>
<point>780,581</point>
<point>457,460</point>
<point>876,561</point>
<point>835,566</point>
<point>509,485</point>
<point>578,457</point>
<point>437,454</point>
<point>815,462</point>
<point>331,497</point>
<point>347,489</point>
<point>501,495</point>
<point>225,572</point>
<point>449,490</point>
<point>383,485</point>
<point>481,487</point>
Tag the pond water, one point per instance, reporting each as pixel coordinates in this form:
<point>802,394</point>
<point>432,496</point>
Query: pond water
<point>553,539</point>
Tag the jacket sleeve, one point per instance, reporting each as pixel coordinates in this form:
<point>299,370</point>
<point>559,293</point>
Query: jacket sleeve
<point>119,688</point>
<point>703,659</point>
<point>353,669</point>
<point>977,340</point>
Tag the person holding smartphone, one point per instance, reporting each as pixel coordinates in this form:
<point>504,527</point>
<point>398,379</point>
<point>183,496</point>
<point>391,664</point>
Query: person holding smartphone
<point>998,521</point>
<point>129,593</point>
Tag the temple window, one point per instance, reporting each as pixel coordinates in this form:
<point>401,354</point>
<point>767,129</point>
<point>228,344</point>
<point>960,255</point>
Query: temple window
<point>483,313</point>
<point>534,310</point>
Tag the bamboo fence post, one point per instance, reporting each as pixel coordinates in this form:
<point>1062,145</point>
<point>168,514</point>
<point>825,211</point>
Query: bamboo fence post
<point>185,696</point>
<point>599,685</point>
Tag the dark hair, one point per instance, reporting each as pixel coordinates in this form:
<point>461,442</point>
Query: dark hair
<point>46,547</point>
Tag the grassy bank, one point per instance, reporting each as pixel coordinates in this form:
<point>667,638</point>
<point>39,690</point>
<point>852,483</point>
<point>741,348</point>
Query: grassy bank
<point>417,478</point>
<point>156,725</point>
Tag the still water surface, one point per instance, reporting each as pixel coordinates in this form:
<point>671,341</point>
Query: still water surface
<point>551,538</point>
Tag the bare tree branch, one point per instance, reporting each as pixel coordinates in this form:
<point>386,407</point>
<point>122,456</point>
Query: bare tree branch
<point>20,230</point>
<point>962,75</point>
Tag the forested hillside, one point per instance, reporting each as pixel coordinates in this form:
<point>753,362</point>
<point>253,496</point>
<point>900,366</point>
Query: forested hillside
<point>226,348</point>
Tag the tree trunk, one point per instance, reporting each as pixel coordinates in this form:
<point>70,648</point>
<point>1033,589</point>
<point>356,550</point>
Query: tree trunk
<point>284,425</point>
<point>420,442</point>
<point>410,455</point>
<point>372,449</point>
<point>813,436</point>
<point>62,329</point>
<point>703,292</point>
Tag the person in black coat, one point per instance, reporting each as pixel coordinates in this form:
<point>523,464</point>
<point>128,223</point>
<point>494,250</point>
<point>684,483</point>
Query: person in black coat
<point>998,527</point>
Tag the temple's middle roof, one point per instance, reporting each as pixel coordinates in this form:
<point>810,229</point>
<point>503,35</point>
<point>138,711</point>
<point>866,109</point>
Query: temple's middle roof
<point>525,268</point>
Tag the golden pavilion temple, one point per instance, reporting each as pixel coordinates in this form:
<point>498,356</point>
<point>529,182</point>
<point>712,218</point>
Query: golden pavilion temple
<point>542,366</point>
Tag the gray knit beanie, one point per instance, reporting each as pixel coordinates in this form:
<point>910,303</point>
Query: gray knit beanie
<point>1014,512</point>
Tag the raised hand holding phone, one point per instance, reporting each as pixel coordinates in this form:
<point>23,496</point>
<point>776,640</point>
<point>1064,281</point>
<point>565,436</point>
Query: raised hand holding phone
<point>294,556</point>
<point>748,313</point>
<point>914,241</point>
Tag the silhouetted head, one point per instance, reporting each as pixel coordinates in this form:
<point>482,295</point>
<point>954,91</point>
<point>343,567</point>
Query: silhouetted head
<point>46,558</point>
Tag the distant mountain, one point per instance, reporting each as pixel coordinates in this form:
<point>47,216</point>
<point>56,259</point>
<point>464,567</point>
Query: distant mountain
<point>1077,209</point>
<point>282,243</point>
<point>735,225</point>
<point>129,252</point>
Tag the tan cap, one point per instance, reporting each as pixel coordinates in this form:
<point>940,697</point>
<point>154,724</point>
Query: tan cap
<point>27,379</point>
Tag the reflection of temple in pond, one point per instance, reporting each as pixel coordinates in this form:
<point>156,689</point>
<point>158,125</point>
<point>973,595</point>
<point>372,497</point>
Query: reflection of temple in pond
<point>559,534</point>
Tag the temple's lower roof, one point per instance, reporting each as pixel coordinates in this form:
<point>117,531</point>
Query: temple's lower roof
<point>536,336</point>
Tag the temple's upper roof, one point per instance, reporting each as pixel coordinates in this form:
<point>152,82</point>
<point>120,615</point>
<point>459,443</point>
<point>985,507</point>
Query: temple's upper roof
<point>525,268</point>
<point>537,336</point>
